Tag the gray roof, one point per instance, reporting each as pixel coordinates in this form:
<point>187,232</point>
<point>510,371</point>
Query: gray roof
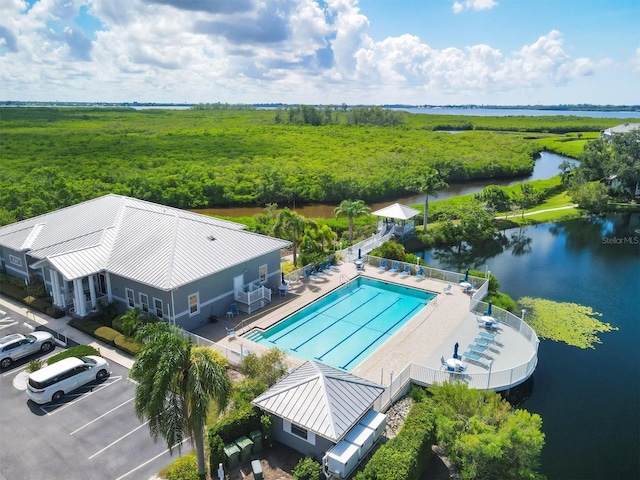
<point>159,246</point>
<point>622,128</point>
<point>321,399</point>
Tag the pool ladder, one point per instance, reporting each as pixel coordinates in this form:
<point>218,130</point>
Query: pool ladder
<point>344,278</point>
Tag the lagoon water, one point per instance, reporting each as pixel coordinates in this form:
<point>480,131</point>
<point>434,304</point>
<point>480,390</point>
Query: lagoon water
<point>589,399</point>
<point>519,112</point>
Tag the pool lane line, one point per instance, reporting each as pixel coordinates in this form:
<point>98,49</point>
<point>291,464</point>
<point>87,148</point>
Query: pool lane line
<point>358,329</point>
<point>344,367</point>
<point>337,320</point>
<point>318,313</point>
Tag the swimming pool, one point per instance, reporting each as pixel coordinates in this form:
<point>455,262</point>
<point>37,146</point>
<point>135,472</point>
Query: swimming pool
<point>345,326</point>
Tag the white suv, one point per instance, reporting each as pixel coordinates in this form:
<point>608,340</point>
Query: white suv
<point>16,345</point>
<point>49,384</point>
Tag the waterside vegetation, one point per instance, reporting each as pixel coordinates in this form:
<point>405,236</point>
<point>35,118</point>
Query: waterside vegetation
<point>55,157</point>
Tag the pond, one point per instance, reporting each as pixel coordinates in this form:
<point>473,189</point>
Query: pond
<point>589,399</point>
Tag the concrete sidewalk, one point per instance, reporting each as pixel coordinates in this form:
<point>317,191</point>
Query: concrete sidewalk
<point>64,333</point>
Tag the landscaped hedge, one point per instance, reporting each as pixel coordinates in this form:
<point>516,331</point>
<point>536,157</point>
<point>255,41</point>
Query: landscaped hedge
<point>106,334</point>
<point>126,344</point>
<point>237,423</point>
<point>77,351</point>
<point>184,468</point>
<point>405,456</point>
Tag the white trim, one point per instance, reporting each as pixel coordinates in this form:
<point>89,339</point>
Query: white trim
<point>130,298</point>
<point>143,303</point>
<point>156,309</point>
<point>17,261</point>
<point>197,305</point>
<point>311,437</point>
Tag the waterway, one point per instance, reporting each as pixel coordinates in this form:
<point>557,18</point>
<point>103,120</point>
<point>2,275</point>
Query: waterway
<point>589,399</point>
<point>519,112</point>
<point>546,167</point>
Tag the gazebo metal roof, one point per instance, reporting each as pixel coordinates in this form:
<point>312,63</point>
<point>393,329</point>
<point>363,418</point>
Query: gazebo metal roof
<point>401,212</point>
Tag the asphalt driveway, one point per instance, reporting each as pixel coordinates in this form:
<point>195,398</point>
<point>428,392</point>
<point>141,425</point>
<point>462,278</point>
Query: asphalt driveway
<point>92,433</point>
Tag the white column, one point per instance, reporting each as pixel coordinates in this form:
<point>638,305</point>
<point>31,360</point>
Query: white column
<point>78,292</point>
<point>92,292</point>
<point>109,294</point>
<point>55,286</point>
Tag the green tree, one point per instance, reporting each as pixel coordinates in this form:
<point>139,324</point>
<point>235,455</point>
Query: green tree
<point>624,162</point>
<point>291,226</point>
<point>175,383</point>
<point>351,209</point>
<point>428,182</point>
<point>591,196</point>
<point>484,436</point>
<point>495,198</point>
<point>527,197</point>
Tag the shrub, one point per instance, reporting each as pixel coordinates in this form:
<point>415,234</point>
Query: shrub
<point>127,345</point>
<point>106,334</point>
<point>236,423</point>
<point>85,325</point>
<point>405,456</point>
<point>77,351</point>
<point>267,368</point>
<point>216,452</point>
<point>307,469</point>
<point>246,390</point>
<point>184,468</point>
<point>34,365</point>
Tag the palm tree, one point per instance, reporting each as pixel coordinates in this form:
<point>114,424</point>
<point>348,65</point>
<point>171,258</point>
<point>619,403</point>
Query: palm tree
<point>428,182</point>
<point>176,380</point>
<point>351,209</point>
<point>290,225</point>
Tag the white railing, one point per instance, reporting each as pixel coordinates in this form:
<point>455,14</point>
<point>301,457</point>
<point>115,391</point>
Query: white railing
<point>249,298</point>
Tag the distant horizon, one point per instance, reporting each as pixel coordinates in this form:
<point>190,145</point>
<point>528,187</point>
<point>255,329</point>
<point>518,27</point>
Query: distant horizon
<point>578,106</point>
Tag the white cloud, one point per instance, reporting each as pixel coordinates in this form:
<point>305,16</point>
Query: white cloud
<point>460,6</point>
<point>273,50</point>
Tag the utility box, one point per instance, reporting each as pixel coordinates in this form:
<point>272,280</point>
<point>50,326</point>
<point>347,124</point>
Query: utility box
<point>244,444</point>
<point>232,452</point>
<point>256,438</point>
<point>361,437</point>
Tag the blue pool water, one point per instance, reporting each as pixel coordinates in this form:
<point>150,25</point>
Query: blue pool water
<point>345,326</point>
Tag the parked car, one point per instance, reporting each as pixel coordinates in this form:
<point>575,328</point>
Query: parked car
<point>16,346</point>
<point>49,384</point>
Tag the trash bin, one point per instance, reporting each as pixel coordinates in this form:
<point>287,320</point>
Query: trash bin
<point>256,438</point>
<point>244,444</point>
<point>256,468</point>
<point>232,452</point>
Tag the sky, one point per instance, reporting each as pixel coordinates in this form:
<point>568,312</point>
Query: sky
<point>372,52</point>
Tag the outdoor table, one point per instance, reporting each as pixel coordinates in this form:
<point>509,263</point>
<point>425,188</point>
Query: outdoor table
<point>465,284</point>
<point>454,363</point>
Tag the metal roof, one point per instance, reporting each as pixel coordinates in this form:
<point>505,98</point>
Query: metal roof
<point>160,246</point>
<point>396,210</point>
<point>321,399</point>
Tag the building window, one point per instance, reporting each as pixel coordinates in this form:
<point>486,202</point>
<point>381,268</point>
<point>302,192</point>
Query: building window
<point>15,260</point>
<point>157,305</point>
<point>262,273</point>
<point>298,431</point>
<point>194,304</point>
<point>130,298</point>
<point>102,284</point>
<point>144,302</point>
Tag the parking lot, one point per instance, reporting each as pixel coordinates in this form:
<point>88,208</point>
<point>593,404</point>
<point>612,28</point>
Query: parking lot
<point>92,433</point>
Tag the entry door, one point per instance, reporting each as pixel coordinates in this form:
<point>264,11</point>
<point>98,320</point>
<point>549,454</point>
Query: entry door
<point>238,283</point>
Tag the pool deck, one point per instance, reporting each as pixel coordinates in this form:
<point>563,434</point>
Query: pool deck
<point>428,336</point>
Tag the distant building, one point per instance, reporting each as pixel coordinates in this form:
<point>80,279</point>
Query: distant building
<point>618,129</point>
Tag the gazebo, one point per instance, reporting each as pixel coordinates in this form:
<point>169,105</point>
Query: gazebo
<point>395,212</point>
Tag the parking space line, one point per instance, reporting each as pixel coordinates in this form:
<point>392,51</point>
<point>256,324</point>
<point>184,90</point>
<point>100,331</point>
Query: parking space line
<point>150,460</point>
<point>103,415</point>
<point>80,397</point>
<point>7,325</point>
<point>24,367</point>
<point>118,440</point>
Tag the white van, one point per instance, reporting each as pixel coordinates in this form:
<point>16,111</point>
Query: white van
<point>49,384</point>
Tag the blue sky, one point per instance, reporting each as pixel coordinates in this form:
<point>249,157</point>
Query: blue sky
<point>321,51</point>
